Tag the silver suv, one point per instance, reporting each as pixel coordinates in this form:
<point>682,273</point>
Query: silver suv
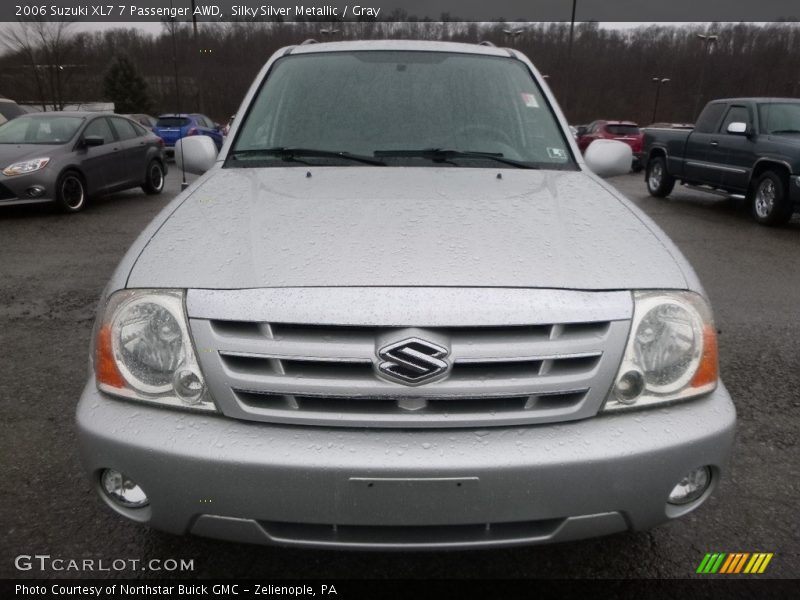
<point>400,310</point>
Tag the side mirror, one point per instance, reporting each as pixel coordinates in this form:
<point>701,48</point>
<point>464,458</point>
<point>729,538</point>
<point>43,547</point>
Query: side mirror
<point>195,154</point>
<point>93,140</point>
<point>737,128</point>
<point>608,158</point>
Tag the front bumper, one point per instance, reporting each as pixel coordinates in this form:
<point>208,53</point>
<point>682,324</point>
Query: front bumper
<point>17,190</point>
<point>392,489</point>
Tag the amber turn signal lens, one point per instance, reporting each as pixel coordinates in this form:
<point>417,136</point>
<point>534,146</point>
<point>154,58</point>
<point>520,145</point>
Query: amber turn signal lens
<point>105,368</point>
<point>708,370</point>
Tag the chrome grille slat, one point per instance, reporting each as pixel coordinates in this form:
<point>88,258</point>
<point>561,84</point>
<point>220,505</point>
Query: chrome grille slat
<point>326,374</point>
<point>480,347</point>
<point>381,412</point>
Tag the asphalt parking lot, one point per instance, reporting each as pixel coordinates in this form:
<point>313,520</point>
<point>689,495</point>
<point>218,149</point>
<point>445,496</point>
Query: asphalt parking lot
<point>54,267</point>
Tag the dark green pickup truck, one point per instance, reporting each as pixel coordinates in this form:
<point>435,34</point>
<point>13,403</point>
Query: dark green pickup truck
<point>744,147</point>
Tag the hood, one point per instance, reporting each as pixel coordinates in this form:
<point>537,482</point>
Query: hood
<point>389,226</point>
<point>12,153</point>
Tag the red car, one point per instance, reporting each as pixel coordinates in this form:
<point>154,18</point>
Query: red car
<point>624,131</point>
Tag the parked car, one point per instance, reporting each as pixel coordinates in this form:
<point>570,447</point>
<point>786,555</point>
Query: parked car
<point>67,157</point>
<point>147,121</point>
<point>9,109</point>
<point>623,131</point>
<point>745,147</point>
<point>172,127</point>
<point>403,313</point>
<point>227,129</point>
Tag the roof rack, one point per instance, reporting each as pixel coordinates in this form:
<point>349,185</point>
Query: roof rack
<point>486,43</point>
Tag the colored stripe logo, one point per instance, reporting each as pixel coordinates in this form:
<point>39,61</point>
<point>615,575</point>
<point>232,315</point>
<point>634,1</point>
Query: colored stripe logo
<point>733,563</point>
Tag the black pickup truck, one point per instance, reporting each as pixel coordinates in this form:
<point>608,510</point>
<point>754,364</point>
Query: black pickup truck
<point>744,147</point>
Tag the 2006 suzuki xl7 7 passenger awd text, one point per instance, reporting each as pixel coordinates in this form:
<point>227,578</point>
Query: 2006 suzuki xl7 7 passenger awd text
<point>401,310</point>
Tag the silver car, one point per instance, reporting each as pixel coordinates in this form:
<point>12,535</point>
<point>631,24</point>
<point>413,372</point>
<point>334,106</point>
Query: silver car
<point>400,310</point>
<point>67,157</point>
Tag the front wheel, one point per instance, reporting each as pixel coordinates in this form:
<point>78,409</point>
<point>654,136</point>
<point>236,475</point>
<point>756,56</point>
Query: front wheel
<point>659,182</point>
<point>70,192</point>
<point>770,201</point>
<point>154,179</point>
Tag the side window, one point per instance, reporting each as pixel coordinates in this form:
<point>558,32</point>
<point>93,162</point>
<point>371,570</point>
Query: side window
<point>736,114</point>
<point>125,129</point>
<point>708,119</point>
<point>100,128</point>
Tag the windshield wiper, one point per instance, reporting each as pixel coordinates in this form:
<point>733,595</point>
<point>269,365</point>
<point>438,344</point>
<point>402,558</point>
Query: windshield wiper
<point>288,153</point>
<point>441,155</point>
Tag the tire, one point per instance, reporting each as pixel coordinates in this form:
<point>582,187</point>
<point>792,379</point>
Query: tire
<point>769,200</point>
<point>154,178</point>
<point>71,193</point>
<point>659,182</point>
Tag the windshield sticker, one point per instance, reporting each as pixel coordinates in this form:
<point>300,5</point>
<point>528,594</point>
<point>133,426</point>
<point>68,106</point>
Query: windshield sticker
<point>530,100</point>
<point>557,153</point>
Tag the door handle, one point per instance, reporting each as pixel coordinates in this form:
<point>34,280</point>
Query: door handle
<point>715,143</point>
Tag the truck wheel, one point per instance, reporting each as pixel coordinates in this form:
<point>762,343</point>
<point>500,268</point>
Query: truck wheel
<point>70,192</point>
<point>659,182</point>
<point>770,200</point>
<point>154,180</point>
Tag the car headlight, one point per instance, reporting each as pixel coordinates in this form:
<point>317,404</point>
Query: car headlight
<point>671,352</point>
<point>26,166</point>
<point>143,350</point>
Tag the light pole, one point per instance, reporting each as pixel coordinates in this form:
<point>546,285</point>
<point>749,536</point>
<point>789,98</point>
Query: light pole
<point>512,33</point>
<point>568,78</point>
<point>708,40</point>
<point>659,81</point>
<point>571,32</point>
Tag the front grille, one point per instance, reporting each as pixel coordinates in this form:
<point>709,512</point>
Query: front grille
<point>430,535</point>
<point>327,374</point>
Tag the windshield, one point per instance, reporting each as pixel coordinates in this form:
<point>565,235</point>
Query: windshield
<point>622,129</point>
<point>54,129</point>
<point>778,118</point>
<point>172,122</point>
<point>9,110</point>
<point>398,102</point>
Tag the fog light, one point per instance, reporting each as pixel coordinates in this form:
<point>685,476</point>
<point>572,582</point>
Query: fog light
<point>34,191</point>
<point>691,487</point>
<point>122,489</point>
<point>629,387</point>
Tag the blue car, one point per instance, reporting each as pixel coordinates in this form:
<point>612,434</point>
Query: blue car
<point>172,127</point>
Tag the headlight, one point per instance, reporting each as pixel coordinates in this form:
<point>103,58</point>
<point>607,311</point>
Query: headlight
<point>26,166</point>
<point>143,350</point>
<point>671,352</point>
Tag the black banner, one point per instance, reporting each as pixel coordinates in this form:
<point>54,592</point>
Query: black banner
<point>403,10</point>
<point>743,587</point>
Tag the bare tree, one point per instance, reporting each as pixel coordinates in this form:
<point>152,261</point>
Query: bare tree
<point>45,46</point>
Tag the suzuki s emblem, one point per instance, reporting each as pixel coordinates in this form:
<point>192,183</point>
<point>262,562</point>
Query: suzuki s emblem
<point>413,361</point>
